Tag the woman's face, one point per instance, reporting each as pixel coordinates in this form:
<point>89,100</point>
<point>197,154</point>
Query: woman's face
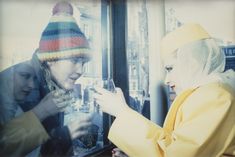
<point>24,81</point>
<point>172,77</point>
<point>66,72</point>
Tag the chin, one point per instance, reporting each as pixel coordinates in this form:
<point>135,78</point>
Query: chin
<point>177,90</point>
<point>21,99</point>
<point>68,86</point>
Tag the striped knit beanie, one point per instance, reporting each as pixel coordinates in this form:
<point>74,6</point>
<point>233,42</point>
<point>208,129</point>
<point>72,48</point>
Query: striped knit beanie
<point>62,38</point>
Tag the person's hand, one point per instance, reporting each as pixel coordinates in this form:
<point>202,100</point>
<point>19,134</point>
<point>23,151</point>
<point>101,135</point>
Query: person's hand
<point>52,103</point>
<point>116,152</point>
<point>111,103</point>
<point>78,128</point>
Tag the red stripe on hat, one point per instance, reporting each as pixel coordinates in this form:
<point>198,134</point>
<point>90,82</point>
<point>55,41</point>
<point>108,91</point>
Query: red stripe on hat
<point>62,44</point>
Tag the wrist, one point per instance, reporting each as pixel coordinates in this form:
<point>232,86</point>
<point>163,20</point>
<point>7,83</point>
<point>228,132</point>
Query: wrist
<point>122,109</point>
<point>71,131</point>
<point>39,113</point>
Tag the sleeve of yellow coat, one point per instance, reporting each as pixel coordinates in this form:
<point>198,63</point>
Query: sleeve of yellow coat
<point>205,128</point>
<point>135,135</point>
<point>21,135</point>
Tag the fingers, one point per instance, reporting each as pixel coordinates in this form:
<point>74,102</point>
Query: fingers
<point>80,124</point>
<point>83,126</point>
<point>97,97</point>
<point>64,97</point>
<point>100,104</point>
<point>63,104</point>
<point>58,93</point>
<point>116,149</point>
<point>119,90</point>
<point>80,133</point>
<point>101,91</point>
<point>116,152</point>
<point>86,118</point>
<point>78,128</point>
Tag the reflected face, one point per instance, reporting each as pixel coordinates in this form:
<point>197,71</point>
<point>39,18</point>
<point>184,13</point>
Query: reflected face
<point>172,77</point>
<point>24,81</point>
<point>66,72</point>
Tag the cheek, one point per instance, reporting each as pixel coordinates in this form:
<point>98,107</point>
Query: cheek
<point>16,87</point>
<point>177,78</point>
<point>19,83</point>
<point>173,77</point>
<point>61,71</point>
<point>68,69</point>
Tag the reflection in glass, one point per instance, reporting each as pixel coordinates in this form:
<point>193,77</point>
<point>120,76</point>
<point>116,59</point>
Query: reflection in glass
<point>137,53</point>
<point>18,46</point>
<point>85,105</point>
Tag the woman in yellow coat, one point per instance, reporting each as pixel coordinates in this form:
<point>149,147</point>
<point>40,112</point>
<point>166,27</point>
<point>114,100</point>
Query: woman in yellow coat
<point>200,122</point>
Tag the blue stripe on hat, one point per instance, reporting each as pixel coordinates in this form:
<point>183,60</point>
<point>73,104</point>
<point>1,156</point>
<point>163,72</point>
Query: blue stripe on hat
<point>62,25</point>
<point>62,32</point>
<point>71,48</point>
<point>57,36</point>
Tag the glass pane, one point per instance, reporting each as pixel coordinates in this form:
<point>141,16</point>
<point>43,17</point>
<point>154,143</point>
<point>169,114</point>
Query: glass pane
<point>90,24</point>
<point>20,32</point>
<point>137,53</point>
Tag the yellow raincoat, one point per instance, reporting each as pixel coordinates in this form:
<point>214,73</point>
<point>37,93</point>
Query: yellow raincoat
<point>21,135</point>
<point>200,123</point>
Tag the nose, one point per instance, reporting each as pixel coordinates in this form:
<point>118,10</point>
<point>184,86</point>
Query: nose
<point>31,83</point>
<point>167,79</point>
<point>79,68</point>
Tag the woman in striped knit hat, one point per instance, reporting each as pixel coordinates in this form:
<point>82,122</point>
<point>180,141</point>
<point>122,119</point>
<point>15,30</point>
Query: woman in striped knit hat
<point>63,51</point>
<point>58,63</point>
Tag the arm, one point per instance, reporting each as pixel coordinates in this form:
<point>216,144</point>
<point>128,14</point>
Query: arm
<point>135,135</point>
<point>21,135</point>
<point>24,133</point>
<point>205,129</point>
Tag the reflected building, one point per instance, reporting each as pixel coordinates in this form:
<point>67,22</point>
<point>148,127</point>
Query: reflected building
<point>137,50</point>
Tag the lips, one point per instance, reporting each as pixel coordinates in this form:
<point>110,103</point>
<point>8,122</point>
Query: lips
<point>26,92</point>
<point>75,77</point>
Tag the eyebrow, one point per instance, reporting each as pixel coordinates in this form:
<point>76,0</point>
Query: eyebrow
<point>168,66</point>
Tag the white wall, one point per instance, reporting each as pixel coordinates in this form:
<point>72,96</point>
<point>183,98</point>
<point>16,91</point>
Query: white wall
<point>216,16</point>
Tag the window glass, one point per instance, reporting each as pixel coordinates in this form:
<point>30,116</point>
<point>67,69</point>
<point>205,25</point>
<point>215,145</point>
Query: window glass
<point>22,24</point>
<point>137,53</point>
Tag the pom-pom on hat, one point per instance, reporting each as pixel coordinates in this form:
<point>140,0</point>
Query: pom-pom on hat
<point>62,37</point>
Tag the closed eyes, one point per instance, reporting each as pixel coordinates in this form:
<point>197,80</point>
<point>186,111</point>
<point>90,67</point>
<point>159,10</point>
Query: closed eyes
<point>168,68</point>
